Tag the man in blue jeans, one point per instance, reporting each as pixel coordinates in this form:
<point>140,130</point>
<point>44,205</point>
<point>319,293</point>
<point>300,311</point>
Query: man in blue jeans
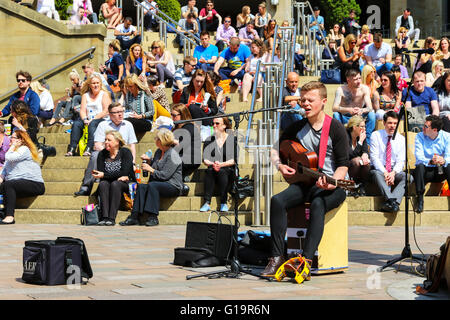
<point>379,54</point>
<point>353,98</point>
<point>235,56</point>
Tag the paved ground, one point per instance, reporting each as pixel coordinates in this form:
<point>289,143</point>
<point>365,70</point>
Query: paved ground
<point>135,263</point>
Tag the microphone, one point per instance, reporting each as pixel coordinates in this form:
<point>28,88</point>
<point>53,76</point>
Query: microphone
<point>420,51</point>
<point>300,111</point>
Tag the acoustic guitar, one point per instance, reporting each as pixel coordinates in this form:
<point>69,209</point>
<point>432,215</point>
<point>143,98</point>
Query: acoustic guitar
<point>305,163</point>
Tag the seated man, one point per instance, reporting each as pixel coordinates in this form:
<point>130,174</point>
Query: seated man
<point>421,95</point>
<point>316,24</point>
<point>403,70</point>
<point>206,54</point>
<point>47,7</point>
<point>407,21</point>
<point>291,96</point>
<point>354,98</point>
<point>236,56</point>
<point>127,34</point>
<point>224,34</point>
<point>149,21</point>
<point>189,8</point>
<point>379,54</point>
<point>388,158</point>
<point>247,34</point>
<point>322,196</point>
<point>432,151</point>
<point>188,27</point>
<point>182,77</point>
<point>79,18</point>
<point>115,122</point>
<point>87,7</point>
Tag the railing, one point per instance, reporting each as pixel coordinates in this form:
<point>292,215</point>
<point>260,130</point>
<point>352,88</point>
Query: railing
<point>287,44</point>
<point>52,71</point>
<point>164,20</point>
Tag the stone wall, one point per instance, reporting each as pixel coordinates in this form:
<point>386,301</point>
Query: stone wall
<point>35,43</point>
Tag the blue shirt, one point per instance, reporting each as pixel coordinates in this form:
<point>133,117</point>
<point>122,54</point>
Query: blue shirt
<point>425,148</point>
<point>424,98</point>
<point>236,60</point>
<point>320,20</point>
<point>31,99</point>
<point>206,53</point>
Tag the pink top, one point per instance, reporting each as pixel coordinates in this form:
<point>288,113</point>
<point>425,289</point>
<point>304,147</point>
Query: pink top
<point>203,13</point>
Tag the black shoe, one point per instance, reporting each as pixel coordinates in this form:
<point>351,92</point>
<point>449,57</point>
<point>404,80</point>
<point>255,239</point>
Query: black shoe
<point>415,45</point>
<point>129,222</point>
<point>102,223</point>
<point>110,223</point>
<point>419,204</point>
<point>362,191</point>
<point>82,192</point>
<point>152,221</point>
<point>395,206</point>
<point>387,206</point>
<point>272,266</point>
<point>185,190</point>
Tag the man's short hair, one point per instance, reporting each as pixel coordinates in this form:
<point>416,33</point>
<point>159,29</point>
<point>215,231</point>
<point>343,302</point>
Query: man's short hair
<point>114,105</point>
<point>188,60</point>
<point>396,69</point>
<point>377,37</point>
<point>350,73</point>
<point>190,16</point>
<point>436,122</point>
<point>408,10</point>
<point>419,73</point>
<point>24,74</point>
<point>130,19</point>
<point>315,85</point>
<point>204,33</point>
<point>390,114</point>
<point>234,41</point>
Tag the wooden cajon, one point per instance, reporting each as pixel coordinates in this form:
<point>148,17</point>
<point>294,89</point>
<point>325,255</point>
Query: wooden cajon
<point>332,254</point>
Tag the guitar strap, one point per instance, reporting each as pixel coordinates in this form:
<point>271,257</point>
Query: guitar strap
<point>324,140</point>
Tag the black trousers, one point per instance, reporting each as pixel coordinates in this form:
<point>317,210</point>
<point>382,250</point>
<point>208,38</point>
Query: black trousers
<point>321,201</point>
<point>24,188</point>
<point>148,197</point>
<point>140,125</point>
<point>446,124</point>
<point>223,177</point>
<point>212,26</point>
<point>77,132</point>
<point>197,113</point>
<point>110,193</point>
<point>187,169</point>
<point>423,174</point>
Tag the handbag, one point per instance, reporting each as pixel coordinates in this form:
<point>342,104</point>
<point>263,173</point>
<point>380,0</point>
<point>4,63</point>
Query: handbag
<point>47,151</point>
<point>416,118</point>
<point>243,188</point>
<point>90,215</point>
<point>330,76</point>
<point>83,141</point>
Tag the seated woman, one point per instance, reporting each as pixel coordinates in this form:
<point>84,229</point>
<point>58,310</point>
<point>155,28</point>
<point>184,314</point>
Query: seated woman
<point>21,174</point>
<point>218,156</point>
<point>369,78</point>
<point>259,53</point>
<point>165,180</point>
<point>348,56</point>
<point>94,108</point>
<point>336,35</point>
<point>111,13</point>
<point>157,92</point>
<point>136,61</point>
<point>138,104</point>
<point>209,18</point>
<point>221,100</point>
<point>269,34</point>
<point>244,17</point>
<point>115,170</point>
<point>437,70</point>
<point>24,120</point>
<point>193,97</point>
<point>188,141</point>
<point>73,100</point>
<point>387,97</point>
<point>46,101</point>
<point>161,62</point>
<point>358,152</point>
<point>4,144</point>
<point>426,60</point>
<point>365,38</point>
<point>402,42</point>
<point>114,67</point>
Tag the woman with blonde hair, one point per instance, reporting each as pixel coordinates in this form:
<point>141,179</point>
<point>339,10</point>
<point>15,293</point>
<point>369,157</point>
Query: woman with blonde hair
<point>365,37</point>
<point>245,17</point>
<point>437,70</point>
<point>161,62</point>
<point>21,174</point>
<point>136,61</point>
<point>138,104</point>
<point>259,53</point>
<point>165,180</point>
<point>348,55</point>
<point>111,13</point>
<point>46,100</point>
<point>402,42</point>
<point>369,78</point>
<point>95,100</point>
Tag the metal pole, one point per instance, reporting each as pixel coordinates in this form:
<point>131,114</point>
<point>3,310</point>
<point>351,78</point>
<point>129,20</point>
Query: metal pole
<point>257,181</point>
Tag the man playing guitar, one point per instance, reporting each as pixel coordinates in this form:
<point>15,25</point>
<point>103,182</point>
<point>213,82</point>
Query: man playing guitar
<point>322,196</point>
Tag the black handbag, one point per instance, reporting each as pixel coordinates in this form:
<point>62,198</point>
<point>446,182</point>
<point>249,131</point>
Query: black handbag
<point>90,217</point>
<point>56,262</point>
<point>243,188</point>
<point>47,151</point>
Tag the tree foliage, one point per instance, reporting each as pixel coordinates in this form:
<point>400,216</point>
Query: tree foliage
<point>63,8</point>
<point>334,11</point>
<point>170,7</point>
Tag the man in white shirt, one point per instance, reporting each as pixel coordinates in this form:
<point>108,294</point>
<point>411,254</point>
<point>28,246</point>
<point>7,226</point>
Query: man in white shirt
<point>379,54</point>
<point>407,21</point>
<point>47,7</point>
<point>388,158</point>
<point>149,12</point>
<point>127,34</point>
<point>115,122</point>
<point>88,11</point>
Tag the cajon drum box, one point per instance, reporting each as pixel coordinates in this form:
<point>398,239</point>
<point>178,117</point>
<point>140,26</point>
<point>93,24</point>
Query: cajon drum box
<point>332,254</point>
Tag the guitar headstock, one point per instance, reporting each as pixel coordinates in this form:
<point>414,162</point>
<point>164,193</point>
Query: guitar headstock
<point>349,185</point>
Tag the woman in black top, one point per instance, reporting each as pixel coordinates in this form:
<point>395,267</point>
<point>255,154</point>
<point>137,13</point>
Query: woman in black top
<point>115,66</point>
<point>115,170</point>
<point>218,156</point>
<point>358,152</point>
<point>188,140</point>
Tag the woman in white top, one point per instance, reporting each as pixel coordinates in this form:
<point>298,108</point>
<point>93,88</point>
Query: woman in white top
<point>262,19</point>
<point>94,108</point>
<point>47,7</point>
<point>259,53</point>
<point>160,62</point>
<point>437,70</point>
<point>46,101</point>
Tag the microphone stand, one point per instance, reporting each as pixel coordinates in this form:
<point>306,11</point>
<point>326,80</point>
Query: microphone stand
<point>406,252</point>
<point>235,267</point>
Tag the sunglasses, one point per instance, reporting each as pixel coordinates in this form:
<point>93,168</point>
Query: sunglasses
<point>227,21</point>
<point>216,123</point>
<point>155,48</point>
<point>21,80</point>
<point>174,114</point>
<point>353,42</point>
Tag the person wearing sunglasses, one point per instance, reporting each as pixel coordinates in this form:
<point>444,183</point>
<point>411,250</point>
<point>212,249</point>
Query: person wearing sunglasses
<point>406,21</point>
<point>348,56</point>
<point>25,93</point>
<point>182,77</point>
<point>224,34</point>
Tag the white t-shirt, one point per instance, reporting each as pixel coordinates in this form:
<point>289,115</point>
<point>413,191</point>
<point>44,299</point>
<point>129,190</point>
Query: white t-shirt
<point>376,54</point>
<point>46,101</point>
<point>121,29</point>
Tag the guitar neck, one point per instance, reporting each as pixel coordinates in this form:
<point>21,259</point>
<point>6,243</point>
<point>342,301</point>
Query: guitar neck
<point>317,175</point>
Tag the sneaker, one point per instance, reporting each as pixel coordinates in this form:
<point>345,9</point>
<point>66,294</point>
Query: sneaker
<point>205,208</point>
<point>223,207</point>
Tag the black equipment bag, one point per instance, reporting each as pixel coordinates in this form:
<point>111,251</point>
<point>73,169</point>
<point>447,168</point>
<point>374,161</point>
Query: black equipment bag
<point>56,262</point>
<point>244,187</point>
<point>47,151</point>
<point>195,258</point>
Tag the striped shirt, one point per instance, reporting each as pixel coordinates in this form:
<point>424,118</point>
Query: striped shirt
<point>180,75</point>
